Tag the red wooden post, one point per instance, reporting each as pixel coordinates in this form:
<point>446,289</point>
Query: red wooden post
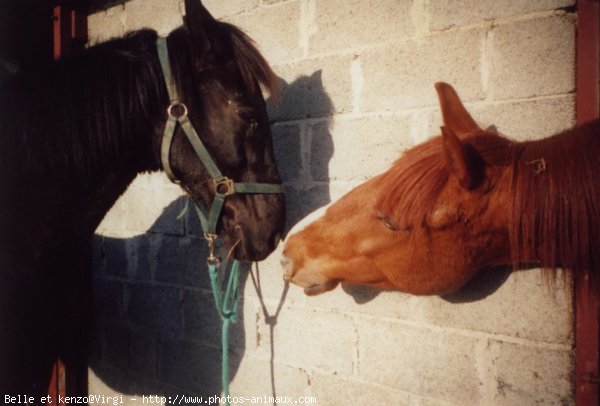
<point>587,312</point>
<point>69,30</point>
<point>69,33</point>
<point>57,385</point>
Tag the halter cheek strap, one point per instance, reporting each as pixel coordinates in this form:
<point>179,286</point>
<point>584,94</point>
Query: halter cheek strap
<point>223,186</point>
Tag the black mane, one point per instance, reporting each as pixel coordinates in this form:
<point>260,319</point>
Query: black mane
<point>82,113</point>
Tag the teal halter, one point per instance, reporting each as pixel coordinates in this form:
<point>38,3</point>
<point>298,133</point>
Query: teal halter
<point>223,186</point>
<point>226,301</point>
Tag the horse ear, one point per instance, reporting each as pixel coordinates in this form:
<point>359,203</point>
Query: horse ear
<point>455,116</point>
<point>457,158</point>
<point>199,22</point>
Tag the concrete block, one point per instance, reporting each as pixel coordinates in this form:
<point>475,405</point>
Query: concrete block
<point>259,23</point>
<point>313,88</point>
<point>220,8</point>
<point>533,58</point>
<point>160,15</point>
<point>521,307</point>
<point>401,76</point>
<point>530,376</point>
<point>125,258</point>
<point>152,204</point>
<point>520,120</point>
<point>181,261</point>
<point>135,390</point>
<point>529,119</point>
<point>425,401</point>
<point>116,345</point>
<point>141,256</point>
<point>154,306</point>
<point>320,150</point>
<point>445,14</point>
<point>192,367</point>
<point>104,25</point>
<point>265,286</point>
<point>288,151</point>
<point>259,377</point>
<point>365,301</point>
<point>342,25</point>
<point>112,223</point>
<point>304,199</point>
<point>114,256</point>
<point>108,298</point>
<point>98,386</point>
<point>313,340</point>
<point>200,318</point>
<point>360,148</point>
<point>202,322</point>
<point>143,350</point>
<point>333,390</point>
<point>419,361</point>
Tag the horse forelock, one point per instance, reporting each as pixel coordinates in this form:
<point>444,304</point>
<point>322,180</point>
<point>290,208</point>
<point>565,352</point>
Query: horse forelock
<point>253,67</point>
<point>251,63</point>
<point>413,185</point>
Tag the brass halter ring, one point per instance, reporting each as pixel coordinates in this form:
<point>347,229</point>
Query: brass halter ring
<point>177,104</point>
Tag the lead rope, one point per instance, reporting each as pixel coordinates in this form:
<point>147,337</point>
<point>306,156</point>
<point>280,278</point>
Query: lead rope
<point>227,307</point>
<point>226,301</point>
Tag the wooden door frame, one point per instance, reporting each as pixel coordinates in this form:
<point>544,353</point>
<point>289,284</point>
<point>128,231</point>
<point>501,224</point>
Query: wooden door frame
<point>69,34</point>
<point>587,330</point>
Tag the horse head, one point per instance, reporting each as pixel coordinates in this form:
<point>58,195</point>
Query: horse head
<point>425,226</point>
<point>218,73</point>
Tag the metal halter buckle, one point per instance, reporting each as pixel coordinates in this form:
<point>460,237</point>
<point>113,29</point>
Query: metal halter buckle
<point>226,184</point>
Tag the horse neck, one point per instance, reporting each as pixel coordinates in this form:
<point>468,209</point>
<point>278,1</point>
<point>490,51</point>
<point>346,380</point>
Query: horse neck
<point>555,215</point>
<point>84,127</point>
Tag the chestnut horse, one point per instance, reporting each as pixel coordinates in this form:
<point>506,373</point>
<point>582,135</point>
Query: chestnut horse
<point>451,206</point>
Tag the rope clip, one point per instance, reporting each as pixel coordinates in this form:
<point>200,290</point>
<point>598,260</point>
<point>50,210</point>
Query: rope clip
<point>212,259</point>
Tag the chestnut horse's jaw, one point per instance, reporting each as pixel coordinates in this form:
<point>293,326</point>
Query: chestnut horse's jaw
<point>321,288</point>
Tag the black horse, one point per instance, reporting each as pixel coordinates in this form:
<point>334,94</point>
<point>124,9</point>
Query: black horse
<point>75,133</point>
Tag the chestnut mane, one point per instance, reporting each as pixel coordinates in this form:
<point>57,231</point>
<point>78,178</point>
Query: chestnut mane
<point>555,210</point>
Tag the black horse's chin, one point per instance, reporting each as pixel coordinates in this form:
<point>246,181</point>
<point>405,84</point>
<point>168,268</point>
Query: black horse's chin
<point>242,247</point>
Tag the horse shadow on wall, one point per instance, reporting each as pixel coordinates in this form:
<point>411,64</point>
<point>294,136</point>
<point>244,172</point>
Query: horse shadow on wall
<point>156,329</point>
<point>302,120</point>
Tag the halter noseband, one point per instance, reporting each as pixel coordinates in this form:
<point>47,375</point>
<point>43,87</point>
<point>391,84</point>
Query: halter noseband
<point>223,185</point>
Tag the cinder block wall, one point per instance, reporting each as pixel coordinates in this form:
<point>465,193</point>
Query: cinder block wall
<point>357,80</point>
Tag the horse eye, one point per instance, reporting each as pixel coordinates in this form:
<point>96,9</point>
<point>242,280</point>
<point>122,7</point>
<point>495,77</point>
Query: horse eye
<point>387,222</point>
<point>246,115</point>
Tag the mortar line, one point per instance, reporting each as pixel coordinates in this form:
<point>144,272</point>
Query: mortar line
<point>448,330</point>
<point>352,116</point>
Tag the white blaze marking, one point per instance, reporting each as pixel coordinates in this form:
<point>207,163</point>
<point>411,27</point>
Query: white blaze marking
<point>308,220</point>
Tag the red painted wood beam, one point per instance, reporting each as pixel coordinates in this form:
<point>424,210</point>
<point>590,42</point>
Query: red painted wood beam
<point>587,308</point>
